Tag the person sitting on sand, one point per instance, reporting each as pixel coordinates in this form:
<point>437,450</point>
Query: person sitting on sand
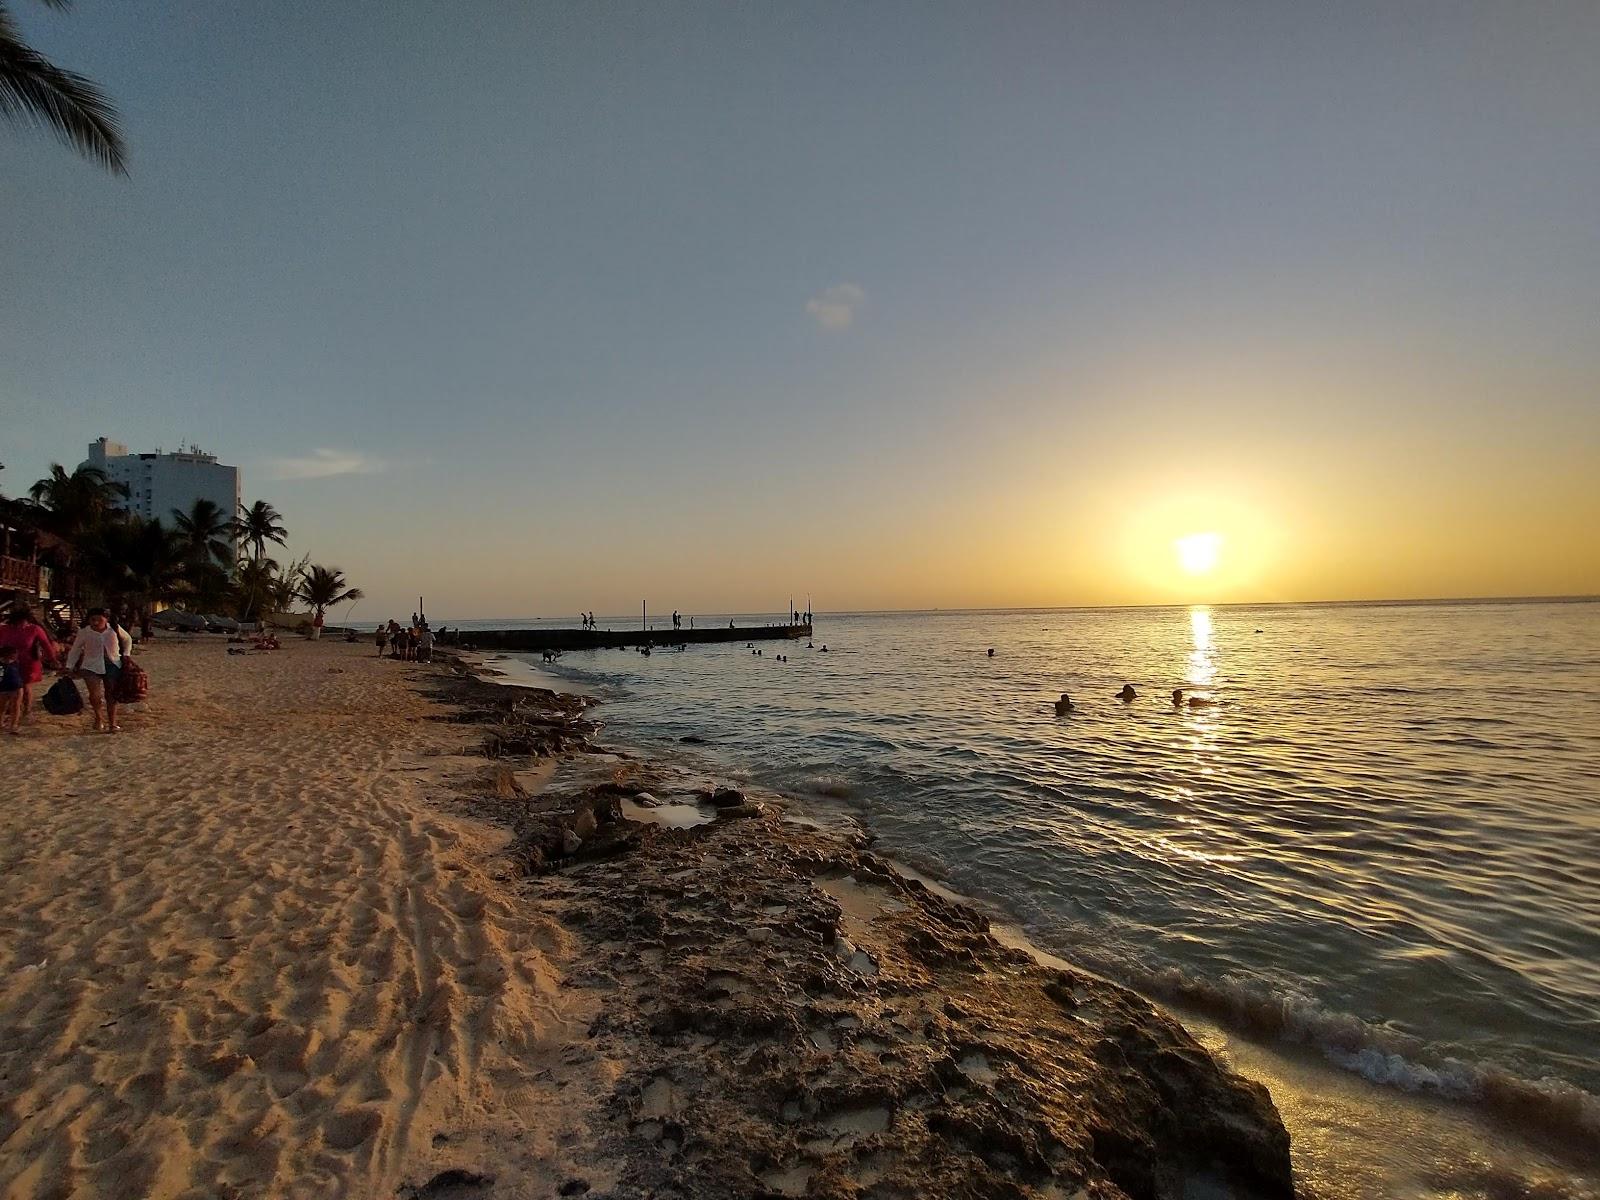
<point>1127,695</point>
<point>1063,705</point>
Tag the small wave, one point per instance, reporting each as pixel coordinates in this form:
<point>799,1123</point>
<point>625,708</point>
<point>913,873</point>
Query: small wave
<point>1493,1181</point>
<point>1552,1107</point>
<point>827,784</point>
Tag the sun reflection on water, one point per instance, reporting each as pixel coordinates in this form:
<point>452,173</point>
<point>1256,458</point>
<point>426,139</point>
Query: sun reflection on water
<point>1202,672</point>
<point>1202,664</point>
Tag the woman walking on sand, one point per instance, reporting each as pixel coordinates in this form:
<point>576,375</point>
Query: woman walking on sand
<point>97,655</point>
<point>35,648</point>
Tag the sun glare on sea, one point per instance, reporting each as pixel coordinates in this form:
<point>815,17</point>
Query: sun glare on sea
<point>1199,553</point>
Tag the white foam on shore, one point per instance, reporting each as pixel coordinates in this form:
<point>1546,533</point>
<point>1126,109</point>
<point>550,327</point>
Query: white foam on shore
<point>513,671</point>
<point>1552,1107</point>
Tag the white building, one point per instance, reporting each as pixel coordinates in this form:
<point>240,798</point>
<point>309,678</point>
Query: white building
<point>158,483</point>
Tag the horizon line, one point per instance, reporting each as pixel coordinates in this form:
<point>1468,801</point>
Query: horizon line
<point>1573,598</point>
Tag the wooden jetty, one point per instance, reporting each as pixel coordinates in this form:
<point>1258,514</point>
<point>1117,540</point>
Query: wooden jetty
<point>612,639</point>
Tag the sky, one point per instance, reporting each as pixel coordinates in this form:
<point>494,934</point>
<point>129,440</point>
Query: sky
<point>539,308</point>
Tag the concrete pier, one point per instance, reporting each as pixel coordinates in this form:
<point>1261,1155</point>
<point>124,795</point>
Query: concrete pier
<point>612,639</point>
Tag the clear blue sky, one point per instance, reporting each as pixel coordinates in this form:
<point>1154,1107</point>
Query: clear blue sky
<point>563,304</point>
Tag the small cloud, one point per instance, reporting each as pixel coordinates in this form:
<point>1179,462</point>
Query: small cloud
<point>322,464</point>
<point>836,307</point>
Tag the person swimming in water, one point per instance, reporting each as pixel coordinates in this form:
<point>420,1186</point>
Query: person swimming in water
<point>991,651</point>
<point>1063,705</point>
<point>1177,697</point>
<point>1127,695</point>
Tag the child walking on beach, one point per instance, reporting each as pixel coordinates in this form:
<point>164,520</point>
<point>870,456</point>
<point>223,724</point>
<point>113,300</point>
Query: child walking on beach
<point>10,690</point>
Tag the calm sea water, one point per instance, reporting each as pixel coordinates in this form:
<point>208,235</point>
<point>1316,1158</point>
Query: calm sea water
<point>1380,841</point>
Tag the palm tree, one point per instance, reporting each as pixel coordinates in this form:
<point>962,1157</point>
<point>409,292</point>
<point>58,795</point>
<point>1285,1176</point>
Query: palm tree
<point>284,585</point>
<point>206,532</point>
<point>136,563</point>
<point>320,588</point>
<point>75,503</point>
<point>258,525</point>
<point>256,584</point>
<point>34,91</point>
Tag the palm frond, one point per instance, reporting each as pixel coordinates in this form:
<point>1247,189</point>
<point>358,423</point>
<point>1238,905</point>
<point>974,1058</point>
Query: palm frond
<point>34,91</point>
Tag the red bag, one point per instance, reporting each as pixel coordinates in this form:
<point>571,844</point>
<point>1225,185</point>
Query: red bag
<point>133,685</point>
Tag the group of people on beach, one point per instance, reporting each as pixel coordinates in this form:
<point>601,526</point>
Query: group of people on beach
<point>96,652</point>
<point>413,643</point>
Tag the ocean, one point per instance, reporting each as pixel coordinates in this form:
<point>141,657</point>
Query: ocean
<point>1366,866</point>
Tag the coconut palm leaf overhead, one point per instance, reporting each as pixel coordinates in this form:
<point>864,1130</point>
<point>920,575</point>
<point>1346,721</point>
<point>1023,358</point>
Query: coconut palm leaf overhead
<point>322,587</point>
<point>205,531</point>
<point>34,91</point>
<point>258,525</point>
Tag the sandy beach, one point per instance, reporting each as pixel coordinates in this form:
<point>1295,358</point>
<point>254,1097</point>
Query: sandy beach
<point>322,924</point>
<point>243,957</point>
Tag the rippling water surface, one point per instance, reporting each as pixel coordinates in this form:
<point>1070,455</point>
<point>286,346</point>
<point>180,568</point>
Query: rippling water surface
<point>1380,839</point>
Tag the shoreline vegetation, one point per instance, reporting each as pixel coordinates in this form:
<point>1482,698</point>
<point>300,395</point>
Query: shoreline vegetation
<point>330,928</point>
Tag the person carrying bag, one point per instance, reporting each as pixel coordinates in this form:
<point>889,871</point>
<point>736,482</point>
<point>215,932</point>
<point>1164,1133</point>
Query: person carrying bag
<point>97,655</point>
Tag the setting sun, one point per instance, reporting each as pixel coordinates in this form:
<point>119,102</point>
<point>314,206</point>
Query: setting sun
<point>1198,553</point>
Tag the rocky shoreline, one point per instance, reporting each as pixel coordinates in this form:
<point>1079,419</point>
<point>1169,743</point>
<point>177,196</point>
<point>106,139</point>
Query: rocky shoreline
<point>792,1017</point>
